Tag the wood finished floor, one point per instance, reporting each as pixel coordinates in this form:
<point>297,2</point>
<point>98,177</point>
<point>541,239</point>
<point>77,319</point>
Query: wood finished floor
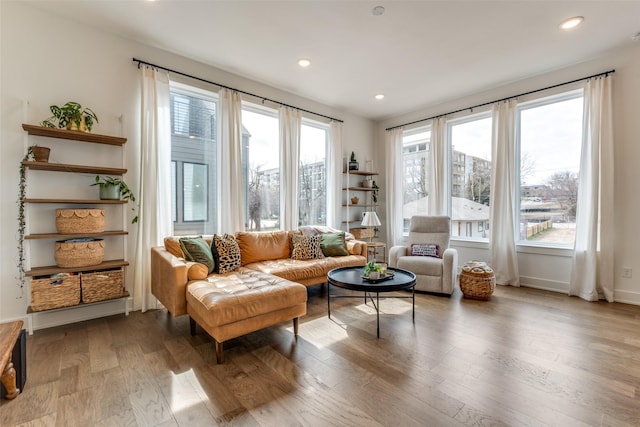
<point>525,358</point>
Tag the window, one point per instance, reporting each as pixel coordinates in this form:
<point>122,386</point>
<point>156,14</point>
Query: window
<point>312,181</point>
<point>470,140</point>
<point>193,160</point>
<point>261,164</point>
<point>550,134</point>
<point>415,173</point>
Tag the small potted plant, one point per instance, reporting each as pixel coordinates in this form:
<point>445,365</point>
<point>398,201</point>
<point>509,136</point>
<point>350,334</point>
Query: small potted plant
<point>353,163</point>
<point>115,189</point>
<point>372,270</point>
<point>71,116</point>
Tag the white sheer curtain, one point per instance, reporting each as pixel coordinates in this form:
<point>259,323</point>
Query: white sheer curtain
<point>155,222</point>
<point>592,272</point>
<point>394,174</point>
<point>504,187</point>
<point>334,176</point>
<point>290,127</point>
<point>231,217</point>
<point>438,177</point>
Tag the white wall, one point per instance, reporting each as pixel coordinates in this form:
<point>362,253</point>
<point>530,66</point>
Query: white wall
<point>550,268</point>
<point>48,60</point>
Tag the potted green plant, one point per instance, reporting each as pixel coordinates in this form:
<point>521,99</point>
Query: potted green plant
<point>71,116</point>
<point>353,163</point>
<point>115,189</point>
<point>372,270</point>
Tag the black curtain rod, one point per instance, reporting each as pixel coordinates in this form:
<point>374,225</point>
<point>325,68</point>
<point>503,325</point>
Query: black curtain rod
<point>140,61</point>
<point>606,73</point>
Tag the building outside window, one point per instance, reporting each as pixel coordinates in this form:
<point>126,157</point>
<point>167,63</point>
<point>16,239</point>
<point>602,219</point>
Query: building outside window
<point>470,139</point>
<point>415,173</point>
<point>312,180</point>
<point>193,160</point>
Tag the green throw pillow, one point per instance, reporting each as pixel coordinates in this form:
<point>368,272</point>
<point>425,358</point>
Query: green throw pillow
<point>333,244</point>
<point>197,250</point>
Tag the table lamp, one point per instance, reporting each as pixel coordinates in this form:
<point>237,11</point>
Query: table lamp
<point>370,219</point>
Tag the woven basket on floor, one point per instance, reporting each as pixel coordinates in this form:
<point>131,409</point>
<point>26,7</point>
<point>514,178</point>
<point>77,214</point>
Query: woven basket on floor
<point>102,285</point>
<point>75,253</point>
<point>69,221</point>
<point>477,280</point>
<point>55,292</point>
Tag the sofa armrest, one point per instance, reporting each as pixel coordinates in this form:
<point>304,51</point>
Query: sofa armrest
<point>169,280</point>
<point>450,270</point>
<point>396,252</point>
<point>357,247</point>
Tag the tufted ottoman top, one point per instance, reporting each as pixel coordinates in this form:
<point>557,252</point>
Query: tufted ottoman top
<point>245,293</point>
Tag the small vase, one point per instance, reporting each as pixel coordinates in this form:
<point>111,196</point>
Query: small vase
<point>354,200</point>
<point>40,154</point>
<point>109,192</point>
<point>74,126</point>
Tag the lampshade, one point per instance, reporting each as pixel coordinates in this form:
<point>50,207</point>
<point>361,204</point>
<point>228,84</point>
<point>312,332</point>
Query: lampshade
<point>370,219</point>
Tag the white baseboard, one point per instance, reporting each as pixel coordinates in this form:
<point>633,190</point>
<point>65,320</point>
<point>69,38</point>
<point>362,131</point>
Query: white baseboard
<point>627,297</point>
<point>64,316</point>
<point>544,284</point>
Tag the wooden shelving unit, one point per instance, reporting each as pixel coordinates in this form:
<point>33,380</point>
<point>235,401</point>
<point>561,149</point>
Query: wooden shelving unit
<point>44,271</point>
<point>364,193</point>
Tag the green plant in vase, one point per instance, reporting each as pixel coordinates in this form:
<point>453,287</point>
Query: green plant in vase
<point>71,116</point>
<point>115,189</point>
<point>353,163</point>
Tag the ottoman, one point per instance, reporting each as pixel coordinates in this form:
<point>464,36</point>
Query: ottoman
<point>234,304</point>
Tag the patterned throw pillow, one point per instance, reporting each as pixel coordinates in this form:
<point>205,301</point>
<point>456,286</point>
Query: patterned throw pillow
<point>228,253</point>
<point>425,249</point>
<point>306,247</point>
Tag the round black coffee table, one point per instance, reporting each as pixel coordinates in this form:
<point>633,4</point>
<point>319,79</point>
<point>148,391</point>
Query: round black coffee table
<point>351,278</point>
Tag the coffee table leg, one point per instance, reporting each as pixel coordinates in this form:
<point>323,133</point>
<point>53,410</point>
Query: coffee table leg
<point>329,299</point>
<point>378,313</point>
<point>413,297</point>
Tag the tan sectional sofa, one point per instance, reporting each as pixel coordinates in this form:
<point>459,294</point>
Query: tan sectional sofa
<point>265,290</point>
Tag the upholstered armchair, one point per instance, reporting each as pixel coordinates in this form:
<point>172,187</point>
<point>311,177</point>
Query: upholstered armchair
<point>428,254</point>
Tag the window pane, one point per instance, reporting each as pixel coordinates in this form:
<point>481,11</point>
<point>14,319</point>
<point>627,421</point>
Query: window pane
<point>194,183</point>
<point>262,168</point>
<point>193,160</point>
<point>415,172</point>
<point>550,140</point>
<point>471,178</point>
<point>312,184</point>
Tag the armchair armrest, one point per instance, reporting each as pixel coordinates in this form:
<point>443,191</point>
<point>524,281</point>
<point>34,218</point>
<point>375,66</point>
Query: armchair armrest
<point>450,270</point>
<point>169,280</point>
<point>396,252</point>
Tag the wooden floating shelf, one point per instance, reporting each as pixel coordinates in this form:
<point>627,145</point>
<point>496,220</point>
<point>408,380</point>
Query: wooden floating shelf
<point>363,173</point>
<point>74,235</point>
<point>60,167</point>
<point>76,201</point>
<point>74,135</point>
<point>125,294</point>
<point>53,269</point>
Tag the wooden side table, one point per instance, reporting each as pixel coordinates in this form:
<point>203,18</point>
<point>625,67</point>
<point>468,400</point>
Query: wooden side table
<point>9,333</point>
<point>374,247</point>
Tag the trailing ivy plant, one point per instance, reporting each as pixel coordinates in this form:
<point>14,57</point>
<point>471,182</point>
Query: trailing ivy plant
<point>22,194</point>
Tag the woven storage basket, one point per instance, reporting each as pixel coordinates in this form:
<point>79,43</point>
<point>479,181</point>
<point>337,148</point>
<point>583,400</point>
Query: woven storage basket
<point>477,280</point>
<point>54,292</point>
<point>69,221</point>
<point>362,233</point>
<point>74,253</point>
<point>101,285</point>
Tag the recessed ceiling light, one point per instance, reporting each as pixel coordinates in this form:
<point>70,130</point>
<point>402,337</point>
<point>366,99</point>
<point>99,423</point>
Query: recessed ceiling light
<point>380,96</point>
<point>377,11</point>
<point>304,62</point>
<point>571,23</point>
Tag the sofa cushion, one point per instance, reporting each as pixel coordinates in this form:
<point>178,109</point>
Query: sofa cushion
<point>197,271</point>
<point>228,253</point>
<point>425,249</point>
<point>306,247</point>
<point>260,246</point>
<point>197,250</point>
<point>300,270</point>
<point>333,244</point>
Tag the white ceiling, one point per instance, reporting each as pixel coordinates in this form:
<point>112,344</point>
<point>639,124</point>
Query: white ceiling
<point>418,53</point>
